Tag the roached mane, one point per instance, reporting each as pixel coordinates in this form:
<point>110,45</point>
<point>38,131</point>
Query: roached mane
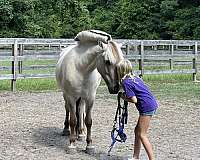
<point>93,35</point>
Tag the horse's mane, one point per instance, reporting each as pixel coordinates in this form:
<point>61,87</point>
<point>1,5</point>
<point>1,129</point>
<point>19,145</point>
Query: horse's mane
<point>93,35</point>
<point>116,51</point>
<point>113,53</point>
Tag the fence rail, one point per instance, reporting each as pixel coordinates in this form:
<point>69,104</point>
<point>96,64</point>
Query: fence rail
<point>143,53</point>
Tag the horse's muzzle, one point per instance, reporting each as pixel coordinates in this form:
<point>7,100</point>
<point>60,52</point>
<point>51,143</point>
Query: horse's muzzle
<point>114,89</point>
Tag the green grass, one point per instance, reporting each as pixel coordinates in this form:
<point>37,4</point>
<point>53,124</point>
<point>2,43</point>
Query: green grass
<point>169,86</point>
<point>5,85</point>
<point>156,81</point>
<point>177,67</point>
<point>30,84</point>
<point>170,78</point>
<point>39,62</point>
<point>180,90</point>
<point>31,63</point>
<point>37,84</point>
<point>179,87</point>
<point>165,90</point>
<point>163,86</point>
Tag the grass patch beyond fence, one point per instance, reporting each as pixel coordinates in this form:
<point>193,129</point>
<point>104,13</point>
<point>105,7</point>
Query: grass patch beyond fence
<point>30,84</point>
<point>163,86</point>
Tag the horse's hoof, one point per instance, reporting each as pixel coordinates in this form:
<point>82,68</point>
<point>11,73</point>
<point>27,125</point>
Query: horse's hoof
<point>65,133</point>
<point>81,137</point>
<point>90,150</point>
<point>71,149</point>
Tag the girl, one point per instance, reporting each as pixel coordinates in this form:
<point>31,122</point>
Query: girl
<point>137,92</point>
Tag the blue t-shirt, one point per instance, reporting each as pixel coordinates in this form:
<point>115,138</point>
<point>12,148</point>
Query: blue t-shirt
<point>146,102</point>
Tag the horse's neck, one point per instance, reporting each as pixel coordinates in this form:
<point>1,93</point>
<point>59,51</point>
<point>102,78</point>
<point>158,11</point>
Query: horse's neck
<point>88,59</point>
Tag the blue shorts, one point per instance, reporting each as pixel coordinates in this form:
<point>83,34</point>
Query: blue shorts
<point>150,113</point>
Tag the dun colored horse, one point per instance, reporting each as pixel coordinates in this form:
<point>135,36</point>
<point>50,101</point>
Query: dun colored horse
<point>78,73</point>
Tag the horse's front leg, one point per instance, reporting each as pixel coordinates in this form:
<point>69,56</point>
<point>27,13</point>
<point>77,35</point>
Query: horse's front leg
<point>72,123</point>
<point>88,123</point>
<point>66,131</point>
<point>81,121</point>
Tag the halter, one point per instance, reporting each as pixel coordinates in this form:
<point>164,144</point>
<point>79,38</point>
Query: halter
<point>117,133</point>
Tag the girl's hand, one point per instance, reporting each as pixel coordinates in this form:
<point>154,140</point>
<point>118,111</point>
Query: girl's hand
<point>121,94</point>
<point>131,99</point>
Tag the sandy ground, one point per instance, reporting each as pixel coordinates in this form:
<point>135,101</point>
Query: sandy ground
<point>31,126</point>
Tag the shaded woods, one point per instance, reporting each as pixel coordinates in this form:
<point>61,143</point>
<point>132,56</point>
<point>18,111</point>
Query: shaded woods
<point>130,19</point>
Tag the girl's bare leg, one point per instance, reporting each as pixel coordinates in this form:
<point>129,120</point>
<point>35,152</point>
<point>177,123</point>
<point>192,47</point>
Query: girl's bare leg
<point>137,144</point>
<point>141,132</point>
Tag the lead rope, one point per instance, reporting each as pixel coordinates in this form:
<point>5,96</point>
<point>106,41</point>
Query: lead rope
<point>117,133</point>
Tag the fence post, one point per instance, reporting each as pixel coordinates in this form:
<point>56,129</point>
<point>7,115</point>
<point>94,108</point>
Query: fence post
<point>194,64</point>
<point>21,52</point>
<point>135,47</point>
<point>14,54</point>
<point>60,47</point>
<point>155,47</point>
<point>171,59</point>
<point>135,50</point>
<point>127,49</point>
<point>141,61</point>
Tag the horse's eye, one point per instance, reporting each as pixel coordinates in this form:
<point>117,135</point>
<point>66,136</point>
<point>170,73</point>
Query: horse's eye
<point>107,62</point>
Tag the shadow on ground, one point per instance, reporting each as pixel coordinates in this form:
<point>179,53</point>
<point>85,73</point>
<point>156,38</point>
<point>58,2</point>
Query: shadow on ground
<point>52,137</point>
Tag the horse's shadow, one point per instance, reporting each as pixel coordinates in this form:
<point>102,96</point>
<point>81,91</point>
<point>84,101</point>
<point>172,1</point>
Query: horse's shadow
<point>52,137</point>
<point>49,137</point>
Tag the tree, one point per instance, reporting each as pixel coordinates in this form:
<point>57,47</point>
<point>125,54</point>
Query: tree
<point>137,19</point>
<point>168,10</point>
<point>6,12</point>
<point>105,17</point>
<point>186,24</point>
<point>6,15</point>
<point>134,19</point>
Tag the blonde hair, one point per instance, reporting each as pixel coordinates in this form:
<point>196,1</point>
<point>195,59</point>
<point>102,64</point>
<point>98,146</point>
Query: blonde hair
<point>124,69</point>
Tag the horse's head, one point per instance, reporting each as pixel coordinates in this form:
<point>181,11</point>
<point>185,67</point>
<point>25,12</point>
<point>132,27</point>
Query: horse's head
<point>107,66</point>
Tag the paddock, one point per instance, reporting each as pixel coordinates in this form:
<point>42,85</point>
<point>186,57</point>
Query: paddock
<point>31,124</point>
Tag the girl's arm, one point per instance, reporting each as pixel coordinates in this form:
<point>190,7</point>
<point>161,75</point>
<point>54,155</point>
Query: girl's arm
<point>131,99</point>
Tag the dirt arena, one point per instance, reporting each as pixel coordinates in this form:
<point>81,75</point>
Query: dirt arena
<point>31,126</point>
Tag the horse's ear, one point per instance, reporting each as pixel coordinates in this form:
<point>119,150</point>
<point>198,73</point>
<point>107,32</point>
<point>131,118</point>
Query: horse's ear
<point>103,45</point>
